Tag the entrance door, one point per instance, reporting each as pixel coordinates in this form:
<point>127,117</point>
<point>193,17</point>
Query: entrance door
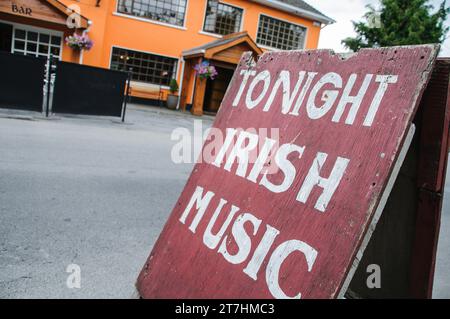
<point>5,37</point>
<point>215,89</point>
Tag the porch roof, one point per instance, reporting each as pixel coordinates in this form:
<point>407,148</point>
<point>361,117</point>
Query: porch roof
<point>209,49</point>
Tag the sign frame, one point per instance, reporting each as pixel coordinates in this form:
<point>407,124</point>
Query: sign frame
<point>382,197</point>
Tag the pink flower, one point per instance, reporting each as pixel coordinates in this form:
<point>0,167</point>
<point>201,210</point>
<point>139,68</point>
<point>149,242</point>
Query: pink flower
<point>206,71</point>
<point>79,42</point>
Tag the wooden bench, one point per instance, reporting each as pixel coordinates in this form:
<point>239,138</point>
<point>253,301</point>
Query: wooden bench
<point>147,91</point>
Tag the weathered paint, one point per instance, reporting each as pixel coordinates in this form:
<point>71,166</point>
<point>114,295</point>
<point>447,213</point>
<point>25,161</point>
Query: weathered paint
<point>237,232</point>
<point>405,239</point>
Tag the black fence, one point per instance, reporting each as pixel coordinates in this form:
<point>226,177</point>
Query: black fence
<point>87,90</point>
<point>78,89</point>
<point>21,82</point>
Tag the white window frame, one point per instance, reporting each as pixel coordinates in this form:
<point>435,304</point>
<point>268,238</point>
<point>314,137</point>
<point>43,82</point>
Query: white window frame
<point>38,30</point>
<point>284,20</point>
<point>130,16</point>
<point>241,27</point>
<point>150,85</point>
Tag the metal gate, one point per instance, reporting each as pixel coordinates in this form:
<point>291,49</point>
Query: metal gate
<point>21,82</point>
<point>88,90</point>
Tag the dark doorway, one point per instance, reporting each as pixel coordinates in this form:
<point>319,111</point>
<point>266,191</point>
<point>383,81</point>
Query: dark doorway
<point>215,89</point>
<point>6,31</point>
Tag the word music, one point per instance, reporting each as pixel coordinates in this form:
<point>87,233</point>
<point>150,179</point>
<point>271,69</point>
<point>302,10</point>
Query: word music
<point>200,201</point>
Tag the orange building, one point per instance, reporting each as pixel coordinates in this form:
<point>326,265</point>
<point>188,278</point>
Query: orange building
<point>161,40</point>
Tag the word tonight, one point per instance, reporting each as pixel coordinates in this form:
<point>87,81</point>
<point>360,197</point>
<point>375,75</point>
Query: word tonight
<point>306,90</point>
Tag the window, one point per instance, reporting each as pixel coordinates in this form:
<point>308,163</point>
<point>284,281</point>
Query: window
<point>35,43</point>
<point>222,18</point>
<point>167,11</point>
<point>146,67</point>
<point>279,34</point>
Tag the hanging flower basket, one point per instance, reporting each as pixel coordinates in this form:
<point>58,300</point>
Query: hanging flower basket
<point>79,42</point>
<point>206,71</point>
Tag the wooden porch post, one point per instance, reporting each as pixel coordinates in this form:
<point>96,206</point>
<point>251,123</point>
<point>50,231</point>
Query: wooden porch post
<point>199,93</point>
<point>199,97</point>
<point>188,72</point>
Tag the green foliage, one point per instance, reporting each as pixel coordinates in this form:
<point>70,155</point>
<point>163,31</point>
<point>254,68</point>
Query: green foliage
<point>173,86</point>
<point>400,22</point>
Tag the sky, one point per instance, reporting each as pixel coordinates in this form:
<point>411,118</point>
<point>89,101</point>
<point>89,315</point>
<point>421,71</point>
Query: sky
<point>346,11</point>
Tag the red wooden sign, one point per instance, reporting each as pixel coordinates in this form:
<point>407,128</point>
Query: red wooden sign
<point>283,214</point>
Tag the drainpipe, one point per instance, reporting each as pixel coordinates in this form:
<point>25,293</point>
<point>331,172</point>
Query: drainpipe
<point>80,60</point>
<point>183,63</point>
<point>84,33</point>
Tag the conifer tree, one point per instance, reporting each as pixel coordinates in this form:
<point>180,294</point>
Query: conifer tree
<point>400,22</point>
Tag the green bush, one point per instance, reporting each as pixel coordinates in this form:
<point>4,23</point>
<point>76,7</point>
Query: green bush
<point>173,86</point>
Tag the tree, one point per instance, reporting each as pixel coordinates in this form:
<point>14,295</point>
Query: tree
<point>400,22</point>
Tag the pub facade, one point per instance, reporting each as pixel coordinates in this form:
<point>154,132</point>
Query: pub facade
<point>160,40</point>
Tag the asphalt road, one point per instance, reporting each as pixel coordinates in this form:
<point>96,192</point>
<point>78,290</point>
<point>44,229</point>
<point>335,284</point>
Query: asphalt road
<point>87,192</point>
<point>96,193</point>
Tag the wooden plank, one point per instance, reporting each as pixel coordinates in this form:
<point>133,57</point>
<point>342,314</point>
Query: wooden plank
<point>34,9</point>
<point>232,54</point>
<point>434,142</point>
<point>391,245</point>
<point>404,242</point>
<point>199,96</point>
<point>294,228</point>
<point>378,255</point>
<point>64,9</point>
<point>425,244</point>
<point>237,41</point>
<point>435,129</point>
<point>188,73</point>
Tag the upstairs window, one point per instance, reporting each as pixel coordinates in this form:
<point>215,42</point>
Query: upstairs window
<point>146,67</point>
<point>280,34</point>
<point>166,11</point>
<point>222,18</point>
